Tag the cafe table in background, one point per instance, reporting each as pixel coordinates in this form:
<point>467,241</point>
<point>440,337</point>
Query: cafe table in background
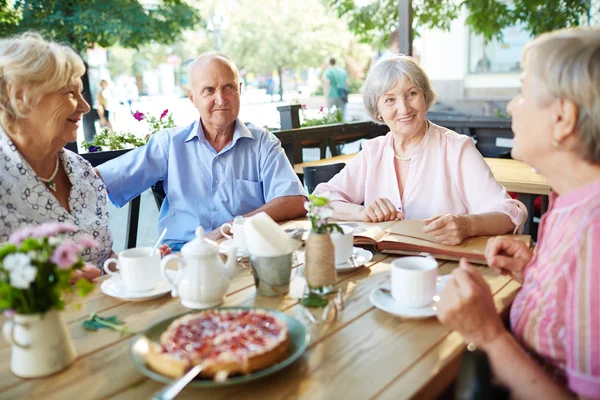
<point>365,354</point>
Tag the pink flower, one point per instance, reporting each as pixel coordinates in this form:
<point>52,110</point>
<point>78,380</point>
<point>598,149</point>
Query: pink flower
<point>9,313</point>
<point>321,109</point>
<point>88,242</point>
<point>18,236</point>
<point>164,114</point>
<point>138,115</point>
<point>53,228</point>
<point>304,106</point>
<point>66,255</point>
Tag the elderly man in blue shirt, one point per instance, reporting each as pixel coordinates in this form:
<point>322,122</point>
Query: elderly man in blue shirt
<point>213,169</point>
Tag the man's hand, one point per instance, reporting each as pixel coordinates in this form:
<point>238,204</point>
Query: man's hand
<point>449,229</point>
<point>508,256</point>
<point>381,210</point>
<point>466,306</point>
<point>164,250</point>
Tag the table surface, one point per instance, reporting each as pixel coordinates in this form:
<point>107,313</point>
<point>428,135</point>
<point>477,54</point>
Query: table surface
<point>366,353</point>
<point>514,175</point>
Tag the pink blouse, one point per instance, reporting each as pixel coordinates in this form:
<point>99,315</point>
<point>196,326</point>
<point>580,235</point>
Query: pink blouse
<point>556,315</point>
<point>447,175</point>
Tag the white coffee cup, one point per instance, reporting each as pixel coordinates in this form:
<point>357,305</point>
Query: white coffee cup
<point>343,244</point>
<point>237,233</point>
<point>138,269</point>
<point>414,280</point>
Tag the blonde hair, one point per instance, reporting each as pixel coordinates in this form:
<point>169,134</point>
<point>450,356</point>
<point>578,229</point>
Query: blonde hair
<point>386,73</point>
<point>568,62</point>
<point>31,67</point>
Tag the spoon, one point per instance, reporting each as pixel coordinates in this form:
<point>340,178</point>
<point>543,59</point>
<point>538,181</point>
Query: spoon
<point>162,235</point>
<point>174,388</point>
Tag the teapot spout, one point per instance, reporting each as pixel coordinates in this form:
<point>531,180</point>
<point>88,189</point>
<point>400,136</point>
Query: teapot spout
<point>231,262</point>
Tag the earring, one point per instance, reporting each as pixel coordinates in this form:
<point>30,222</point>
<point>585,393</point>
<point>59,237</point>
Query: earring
<point>379,117</point>
<point>555,143</point>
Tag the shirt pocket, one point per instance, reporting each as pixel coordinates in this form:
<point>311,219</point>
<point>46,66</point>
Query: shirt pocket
<point>248,195</point>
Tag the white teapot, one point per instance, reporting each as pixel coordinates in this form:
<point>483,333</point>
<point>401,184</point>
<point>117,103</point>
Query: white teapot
<point>202,279</point>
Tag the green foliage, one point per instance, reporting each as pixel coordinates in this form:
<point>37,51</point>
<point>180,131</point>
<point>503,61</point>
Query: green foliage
<point>355,85</point>
<point>95,322</point>
<point>85,23</point>
<point>331,117</point>
<point>374,22</point>
<point>319,211</point>
<point>107,140</point>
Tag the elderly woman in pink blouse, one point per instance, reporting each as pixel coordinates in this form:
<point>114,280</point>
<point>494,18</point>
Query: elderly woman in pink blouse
<point>419,170</point>
<point>555,318</point>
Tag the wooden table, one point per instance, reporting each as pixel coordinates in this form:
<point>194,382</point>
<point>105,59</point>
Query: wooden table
<point>514,175</point>
<point>365,354</point>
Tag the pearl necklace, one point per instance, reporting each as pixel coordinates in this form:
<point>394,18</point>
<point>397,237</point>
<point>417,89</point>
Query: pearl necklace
<point>50,181</point>
<point>408,158</point>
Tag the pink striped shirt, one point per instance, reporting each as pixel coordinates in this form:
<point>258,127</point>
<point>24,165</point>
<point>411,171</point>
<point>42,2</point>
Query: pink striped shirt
<point>447,175</point>
<point>556,315</point>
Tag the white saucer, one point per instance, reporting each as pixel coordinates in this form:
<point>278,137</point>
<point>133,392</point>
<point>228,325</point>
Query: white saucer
<point>226,245</point>
<point>382,299</point>
<point>361,257</point>
<point>114,287</point>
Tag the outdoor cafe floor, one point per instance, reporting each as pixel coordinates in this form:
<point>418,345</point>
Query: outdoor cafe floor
<point>366,353</point>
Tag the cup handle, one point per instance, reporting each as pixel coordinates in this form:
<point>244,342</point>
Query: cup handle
<point>107,264</point>
<point>163,270</point>
<point>227,224</point>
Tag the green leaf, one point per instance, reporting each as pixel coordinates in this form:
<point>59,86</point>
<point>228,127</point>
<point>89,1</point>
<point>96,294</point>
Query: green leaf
<point>84,287</point>
<point>96,322</point>
<point>318,200</point>
<point>314,300</point>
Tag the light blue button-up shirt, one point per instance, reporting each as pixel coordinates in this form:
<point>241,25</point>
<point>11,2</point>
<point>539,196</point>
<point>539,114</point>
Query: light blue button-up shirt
<point>203,187</point>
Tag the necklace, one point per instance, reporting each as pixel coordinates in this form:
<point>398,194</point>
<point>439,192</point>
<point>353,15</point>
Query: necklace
<point>50,181</point>
<point>409,158</point>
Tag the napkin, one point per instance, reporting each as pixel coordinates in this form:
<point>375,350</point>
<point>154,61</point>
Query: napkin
<point>265,238</point>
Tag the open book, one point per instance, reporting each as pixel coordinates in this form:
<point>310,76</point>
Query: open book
<point>407,237</point>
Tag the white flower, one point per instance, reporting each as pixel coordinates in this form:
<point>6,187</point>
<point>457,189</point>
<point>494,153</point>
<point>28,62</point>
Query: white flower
<point>16,261</point>
<point>54,240</point>
<point>21,278</point>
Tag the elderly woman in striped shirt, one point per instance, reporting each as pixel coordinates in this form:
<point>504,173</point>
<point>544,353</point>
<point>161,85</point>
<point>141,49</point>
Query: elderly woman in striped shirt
<point>555,318</point>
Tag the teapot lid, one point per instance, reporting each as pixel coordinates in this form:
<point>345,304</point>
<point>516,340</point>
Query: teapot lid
<point>198,246</point>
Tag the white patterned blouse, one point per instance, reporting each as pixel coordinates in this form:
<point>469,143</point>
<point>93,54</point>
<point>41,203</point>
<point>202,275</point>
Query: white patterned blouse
<point>26,201</point>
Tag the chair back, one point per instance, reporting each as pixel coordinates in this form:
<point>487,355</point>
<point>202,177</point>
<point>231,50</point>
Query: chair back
<point>159,193</point>
<point>318,174</point>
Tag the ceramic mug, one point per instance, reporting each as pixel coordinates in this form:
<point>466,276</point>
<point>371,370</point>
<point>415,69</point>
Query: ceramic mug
<point>414,280</point>
<point>138,269</point>
<point>343,244</point>
<point>237,233</point>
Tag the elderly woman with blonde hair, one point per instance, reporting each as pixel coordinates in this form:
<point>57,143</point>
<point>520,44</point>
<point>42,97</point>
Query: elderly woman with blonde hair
<point>41,106</point>
<point>419,170</point>
<point>555,318</point>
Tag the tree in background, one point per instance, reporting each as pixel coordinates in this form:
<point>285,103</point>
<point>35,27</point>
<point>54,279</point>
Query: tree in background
<point>87,23</point>
<point>284,35</point>
<point>374,22</point>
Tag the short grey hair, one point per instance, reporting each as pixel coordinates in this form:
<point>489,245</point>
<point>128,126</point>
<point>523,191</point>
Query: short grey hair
<point>214,55</point>
<point>386,73</point>
<point>31,67</point>
<point>567,61</point>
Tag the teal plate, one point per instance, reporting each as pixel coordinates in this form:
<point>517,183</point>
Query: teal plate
<point>299,342</point>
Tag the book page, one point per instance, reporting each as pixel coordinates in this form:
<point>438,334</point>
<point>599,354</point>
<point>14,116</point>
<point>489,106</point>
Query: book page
<point>412,228</point>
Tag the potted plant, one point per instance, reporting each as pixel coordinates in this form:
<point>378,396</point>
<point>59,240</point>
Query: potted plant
<point>36,268</point>
<point>320,257</point>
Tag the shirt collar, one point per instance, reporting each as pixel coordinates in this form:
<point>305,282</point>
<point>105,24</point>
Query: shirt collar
<point>240,131</point>
<point>582,194</point>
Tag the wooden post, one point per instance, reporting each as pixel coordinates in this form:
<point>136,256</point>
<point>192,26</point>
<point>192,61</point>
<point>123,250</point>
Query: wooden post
<point>405,32</point>
<point>289,116</point>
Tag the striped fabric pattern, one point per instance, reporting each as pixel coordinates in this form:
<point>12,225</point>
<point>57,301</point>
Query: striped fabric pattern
<point>556,315</point>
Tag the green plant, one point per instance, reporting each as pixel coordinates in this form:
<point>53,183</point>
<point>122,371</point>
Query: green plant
<point>37,265</point>
<point>106,140</point>
<point>319,211</point>
<point>325,118</point>
<point>355,85</point>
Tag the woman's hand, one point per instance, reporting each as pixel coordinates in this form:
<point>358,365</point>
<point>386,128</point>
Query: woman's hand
<point>449,229</point>
<point>381,210</point>
<point>88,272</point>
<point>164,250</point>
<point>508,256</point>
<point>466,306</point>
